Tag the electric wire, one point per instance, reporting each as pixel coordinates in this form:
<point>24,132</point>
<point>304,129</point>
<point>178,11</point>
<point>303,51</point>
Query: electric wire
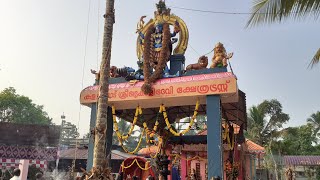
<point>82,79</point>
<point>226,12</point>
<point>98,36</point>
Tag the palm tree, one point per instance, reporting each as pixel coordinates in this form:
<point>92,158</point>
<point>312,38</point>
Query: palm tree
<point>99,154</point>
<point>265,121</point>
<point>256,121</point>
<point>270,11</point>
<point>314,120</point>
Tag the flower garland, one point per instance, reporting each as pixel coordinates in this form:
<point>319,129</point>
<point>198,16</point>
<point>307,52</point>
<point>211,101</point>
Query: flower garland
<point>158,149</point>
<point>231,143</point>
<point>232,169</point>
<point>226,136</point>
<point>135,119</point>
<point>146,167</point>
<point>165,116</point>
<point>155,127</point>
<point>121,137</point>
<point>136,149</point>
<point>151,141</point>
<point>148,55</point>
<point>226,132</point>
<point>188,159</point>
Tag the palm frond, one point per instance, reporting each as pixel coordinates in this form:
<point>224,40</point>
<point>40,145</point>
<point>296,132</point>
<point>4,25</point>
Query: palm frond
<point>268,11</point>
<point>315,60</point>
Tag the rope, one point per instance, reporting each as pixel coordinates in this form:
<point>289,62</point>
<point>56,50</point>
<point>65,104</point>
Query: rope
<point>194,50</point>
<point>209,52</point>
<point>98,35</point>
<point>83,69</point>
<point>231,68</point>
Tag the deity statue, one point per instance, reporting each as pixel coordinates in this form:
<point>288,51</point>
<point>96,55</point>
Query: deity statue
<point>154,44</point>
<point>220,56</point>
<point>157,36</point>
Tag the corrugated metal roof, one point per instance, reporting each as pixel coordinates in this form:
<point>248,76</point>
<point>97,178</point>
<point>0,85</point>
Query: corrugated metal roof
<point>83,154</point>
<point>301,160</point>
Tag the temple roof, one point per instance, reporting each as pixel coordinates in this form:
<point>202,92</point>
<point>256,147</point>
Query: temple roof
<point>253,147</point>
<point>301,160</point>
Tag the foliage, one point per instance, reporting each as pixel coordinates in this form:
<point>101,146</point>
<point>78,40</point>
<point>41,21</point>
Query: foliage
<point>199,125</point>
<point>32,171</point>
<point>87,135</point>
<point>297,141</point>
<point>17,108</point>
<point>318,172</point>
<point>6,174</point>
<point>269,11</point>
<point>314,120</point>
<point>265,121</point>
<point>132,141</point>
<point>69,131</point>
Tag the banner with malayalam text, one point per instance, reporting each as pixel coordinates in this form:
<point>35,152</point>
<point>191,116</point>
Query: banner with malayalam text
<point>187,86</point>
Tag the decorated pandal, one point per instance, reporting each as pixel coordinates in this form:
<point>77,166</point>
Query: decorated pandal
<point>154,97</point>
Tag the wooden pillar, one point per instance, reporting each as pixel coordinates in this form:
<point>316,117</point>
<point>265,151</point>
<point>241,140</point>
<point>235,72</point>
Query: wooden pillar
<point>93,118</point>
<point>214,137</point>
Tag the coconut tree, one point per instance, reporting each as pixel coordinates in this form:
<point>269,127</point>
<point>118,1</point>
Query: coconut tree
<point>99,154</point>
<point>270,11</point>
<point>256,120</point>
<point>314,120</point>
<point>264,123</point>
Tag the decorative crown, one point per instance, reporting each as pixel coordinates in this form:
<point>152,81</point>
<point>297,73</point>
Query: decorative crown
<point>162,14</point>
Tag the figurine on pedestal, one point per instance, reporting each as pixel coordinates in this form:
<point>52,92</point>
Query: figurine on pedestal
<point>220,56</point>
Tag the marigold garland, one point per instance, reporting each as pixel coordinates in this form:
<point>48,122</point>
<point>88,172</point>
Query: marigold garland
<point>230,143</point>
<point>136,149</point>
<point>226,132</point>
<point>158,146</point>
<point>188,159</point>
<point>152,133</point>
<point>165,116</point>
<point>135,119</point>
<point>146,167</point>
<point>121,137</point>
<point>155,127</point>
<point>226,136</point>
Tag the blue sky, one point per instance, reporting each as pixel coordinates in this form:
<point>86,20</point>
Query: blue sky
<point>42,51</point>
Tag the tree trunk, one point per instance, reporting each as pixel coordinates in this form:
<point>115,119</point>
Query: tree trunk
<point>274,162</point>
<point>99,154</point>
